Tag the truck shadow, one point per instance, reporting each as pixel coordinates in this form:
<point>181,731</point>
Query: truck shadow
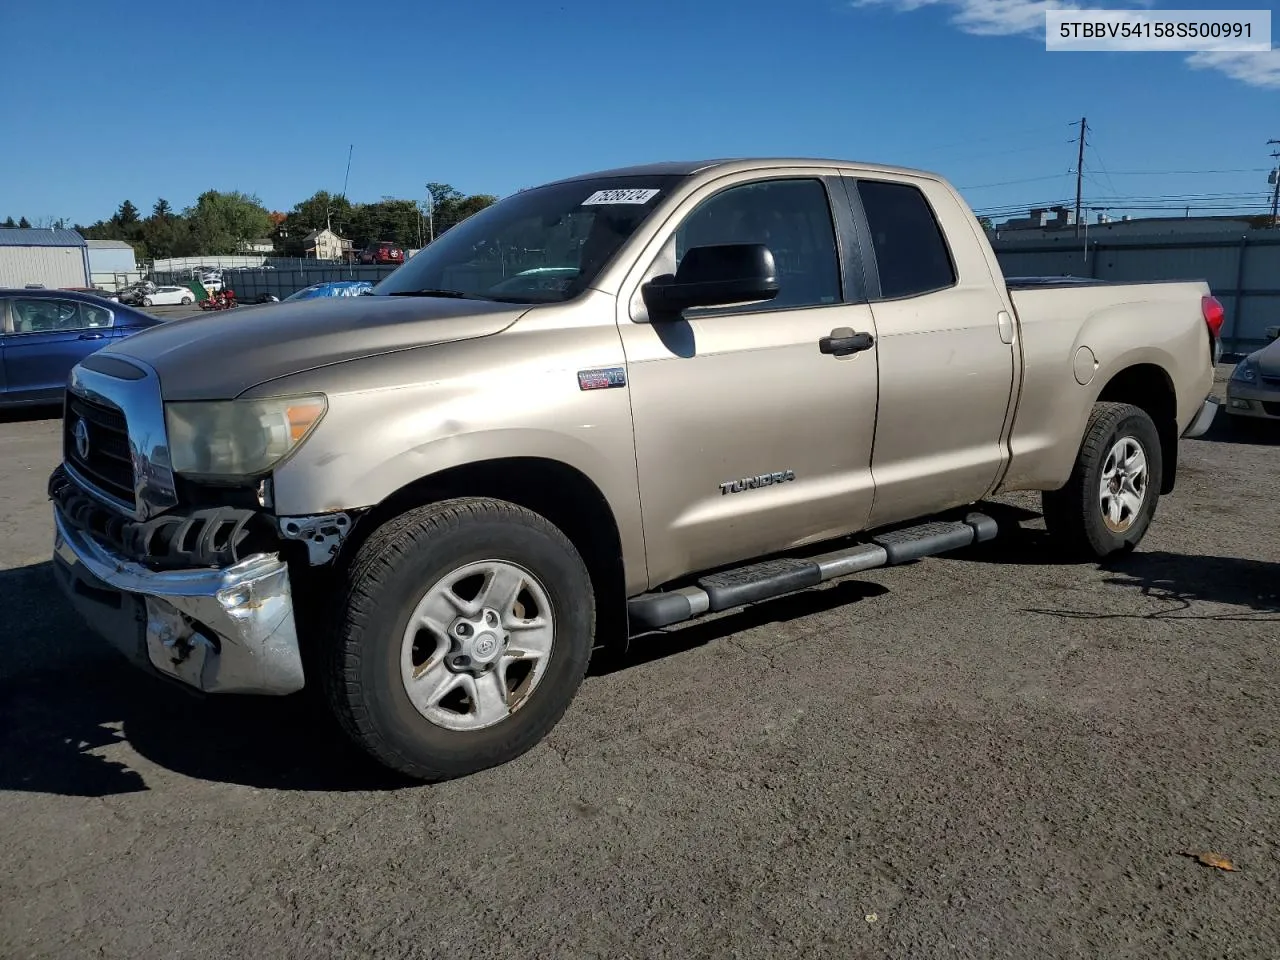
<point>1184,581</point>
<point>1243,431</point>
<point>70,707</point>
<point>68,704</point>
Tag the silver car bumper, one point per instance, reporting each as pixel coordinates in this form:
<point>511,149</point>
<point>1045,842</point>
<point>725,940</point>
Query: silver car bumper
<point>1204,419</point>
<point>219,631</point>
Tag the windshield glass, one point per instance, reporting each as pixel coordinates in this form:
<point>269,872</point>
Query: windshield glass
<point>544,245</point>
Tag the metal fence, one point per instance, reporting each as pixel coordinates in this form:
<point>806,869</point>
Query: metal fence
<point>252,285</point>
<point>1243,272</point>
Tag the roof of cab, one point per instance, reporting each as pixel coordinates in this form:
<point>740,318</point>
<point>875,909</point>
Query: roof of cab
<point>690,167</point>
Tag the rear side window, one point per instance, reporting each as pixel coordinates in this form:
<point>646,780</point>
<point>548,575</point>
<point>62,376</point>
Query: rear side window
<point>911,253</point>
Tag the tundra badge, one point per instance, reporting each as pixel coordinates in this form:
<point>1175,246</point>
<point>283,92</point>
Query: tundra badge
<point>751,483</point>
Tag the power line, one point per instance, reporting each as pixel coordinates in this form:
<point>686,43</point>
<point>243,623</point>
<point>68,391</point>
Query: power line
<point>1006,183</point>
<point>1168,173</point>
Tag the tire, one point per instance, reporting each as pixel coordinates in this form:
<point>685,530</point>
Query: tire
<point>187,301</point>
<point>146,302</point>
<point>372,659</point>
<point>1077,514</point>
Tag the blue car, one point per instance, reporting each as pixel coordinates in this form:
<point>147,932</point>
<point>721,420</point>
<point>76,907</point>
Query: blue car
<point>44,333</point>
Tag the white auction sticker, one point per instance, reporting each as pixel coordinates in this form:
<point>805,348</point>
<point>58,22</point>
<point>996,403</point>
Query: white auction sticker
<point>1238,31</point>
<point>620,196</point>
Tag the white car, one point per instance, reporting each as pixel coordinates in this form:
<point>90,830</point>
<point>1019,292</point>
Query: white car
<point>167,296</point>
<point>212,282</point>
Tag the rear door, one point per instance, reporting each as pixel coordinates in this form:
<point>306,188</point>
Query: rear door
<point>946,350</point>
<point>44,339</point>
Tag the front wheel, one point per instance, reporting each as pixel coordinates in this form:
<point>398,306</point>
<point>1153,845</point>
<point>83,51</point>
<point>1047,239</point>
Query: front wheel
<point>146,302</point>
<point>1107,503</point>
<point>187,301</point>
<point>466,631</point>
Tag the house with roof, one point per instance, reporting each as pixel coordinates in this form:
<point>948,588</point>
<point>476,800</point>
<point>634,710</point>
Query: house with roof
<point>325,245</point>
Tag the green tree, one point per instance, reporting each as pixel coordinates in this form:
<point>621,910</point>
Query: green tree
<point>162,210</point>
<point>9,224</point>
<point>220,221</point>
<point>24,223</point>
<point>985,223</point>
<point>127,214</point>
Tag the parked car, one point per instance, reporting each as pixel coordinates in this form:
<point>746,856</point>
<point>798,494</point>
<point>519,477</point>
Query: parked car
<point>168,296</point>
<point>1253,392</point>
<point>134,292</point>
<point>758,376</point>
<point>334,288</point>
<point>383,252</point>
<point>44,333</point>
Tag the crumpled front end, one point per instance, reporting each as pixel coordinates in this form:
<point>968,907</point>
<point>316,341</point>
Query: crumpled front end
<point>219,630</point>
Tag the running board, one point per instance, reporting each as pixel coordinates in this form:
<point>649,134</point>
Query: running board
<point>740,586</point>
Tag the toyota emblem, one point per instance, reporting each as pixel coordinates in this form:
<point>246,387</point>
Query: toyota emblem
<point>81,434</point>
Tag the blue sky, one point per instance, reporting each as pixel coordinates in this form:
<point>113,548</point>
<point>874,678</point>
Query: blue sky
<point>105,102</point>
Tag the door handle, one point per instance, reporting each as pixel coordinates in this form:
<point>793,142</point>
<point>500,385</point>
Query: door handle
<point>91,336</point>
<point>843,341</point>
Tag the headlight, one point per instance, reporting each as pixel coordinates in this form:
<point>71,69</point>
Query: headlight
<point>1246,371</point>
<point>239,438</point>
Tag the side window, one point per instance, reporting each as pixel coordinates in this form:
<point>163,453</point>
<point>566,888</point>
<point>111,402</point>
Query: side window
<point>911,252</point>
<point>57,316</point>
<point>792,218</point>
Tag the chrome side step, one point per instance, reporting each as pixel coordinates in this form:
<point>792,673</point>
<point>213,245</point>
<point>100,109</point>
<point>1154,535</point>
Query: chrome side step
<point>740,586</point>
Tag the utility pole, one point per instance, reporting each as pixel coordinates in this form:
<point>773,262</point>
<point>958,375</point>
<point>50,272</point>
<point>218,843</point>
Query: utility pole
<point>1080,174</point>
<point>1275,194</point>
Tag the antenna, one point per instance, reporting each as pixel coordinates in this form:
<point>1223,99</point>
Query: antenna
<point>347,175</point>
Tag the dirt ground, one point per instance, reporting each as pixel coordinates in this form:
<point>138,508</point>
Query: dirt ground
<point>986,755</point>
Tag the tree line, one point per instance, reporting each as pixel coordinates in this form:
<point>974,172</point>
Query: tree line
<point>221,223</point>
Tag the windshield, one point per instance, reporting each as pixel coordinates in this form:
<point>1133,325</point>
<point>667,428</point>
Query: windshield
<point>544,245</point>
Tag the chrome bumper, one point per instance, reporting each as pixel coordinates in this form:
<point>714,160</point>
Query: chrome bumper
<point>1204,419</point>
<point>220,631</point>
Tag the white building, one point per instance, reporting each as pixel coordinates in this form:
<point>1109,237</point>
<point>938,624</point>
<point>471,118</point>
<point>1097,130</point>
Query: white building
<point>47,258</point>
<point>325,245</point>
<point>112,264</point>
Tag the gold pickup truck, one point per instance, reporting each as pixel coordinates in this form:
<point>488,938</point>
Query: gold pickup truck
<point>599,407</point>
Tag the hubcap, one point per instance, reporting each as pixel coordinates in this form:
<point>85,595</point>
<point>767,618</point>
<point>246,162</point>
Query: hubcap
<point>1123,486</point>
<point>477,645</point>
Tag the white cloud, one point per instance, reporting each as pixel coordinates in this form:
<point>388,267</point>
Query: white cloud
<point>1260,69</point>
<point>1026,18</point>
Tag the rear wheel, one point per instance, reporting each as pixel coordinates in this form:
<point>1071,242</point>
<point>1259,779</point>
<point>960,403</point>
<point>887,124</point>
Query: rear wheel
<point>467,629</point>
<point>1107,503</point>
<point>146,302</point>
<point>187,301</point>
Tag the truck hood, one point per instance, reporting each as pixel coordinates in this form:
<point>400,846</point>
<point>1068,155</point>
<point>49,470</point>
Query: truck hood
<point>220,355</point>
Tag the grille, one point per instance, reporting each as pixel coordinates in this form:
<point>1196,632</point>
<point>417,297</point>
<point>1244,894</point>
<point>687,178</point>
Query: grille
<point>109,464</point>
<point>1271,381</point>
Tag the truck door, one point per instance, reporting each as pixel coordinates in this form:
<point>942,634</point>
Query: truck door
<point>946,352</point>
<point>748,438</point>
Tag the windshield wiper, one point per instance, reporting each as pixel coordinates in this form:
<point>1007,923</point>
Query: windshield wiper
<point>450,294</point>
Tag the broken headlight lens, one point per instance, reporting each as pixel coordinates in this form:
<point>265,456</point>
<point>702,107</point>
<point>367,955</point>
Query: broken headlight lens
<point>239,438</point>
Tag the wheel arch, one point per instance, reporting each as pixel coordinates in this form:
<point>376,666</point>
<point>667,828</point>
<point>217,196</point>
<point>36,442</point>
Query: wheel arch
<point>561,493</point>
<point>1149,387</point>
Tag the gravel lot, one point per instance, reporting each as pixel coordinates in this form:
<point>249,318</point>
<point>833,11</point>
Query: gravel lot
<point>986,755</point>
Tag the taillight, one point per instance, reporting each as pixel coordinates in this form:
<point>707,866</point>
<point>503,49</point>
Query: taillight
<point>1213,314</point>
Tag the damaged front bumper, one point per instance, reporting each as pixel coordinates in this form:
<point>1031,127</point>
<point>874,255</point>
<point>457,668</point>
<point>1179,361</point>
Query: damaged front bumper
<point>228,630</point>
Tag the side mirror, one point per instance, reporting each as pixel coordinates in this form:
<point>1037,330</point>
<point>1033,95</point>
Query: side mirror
<point>713,276</point>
